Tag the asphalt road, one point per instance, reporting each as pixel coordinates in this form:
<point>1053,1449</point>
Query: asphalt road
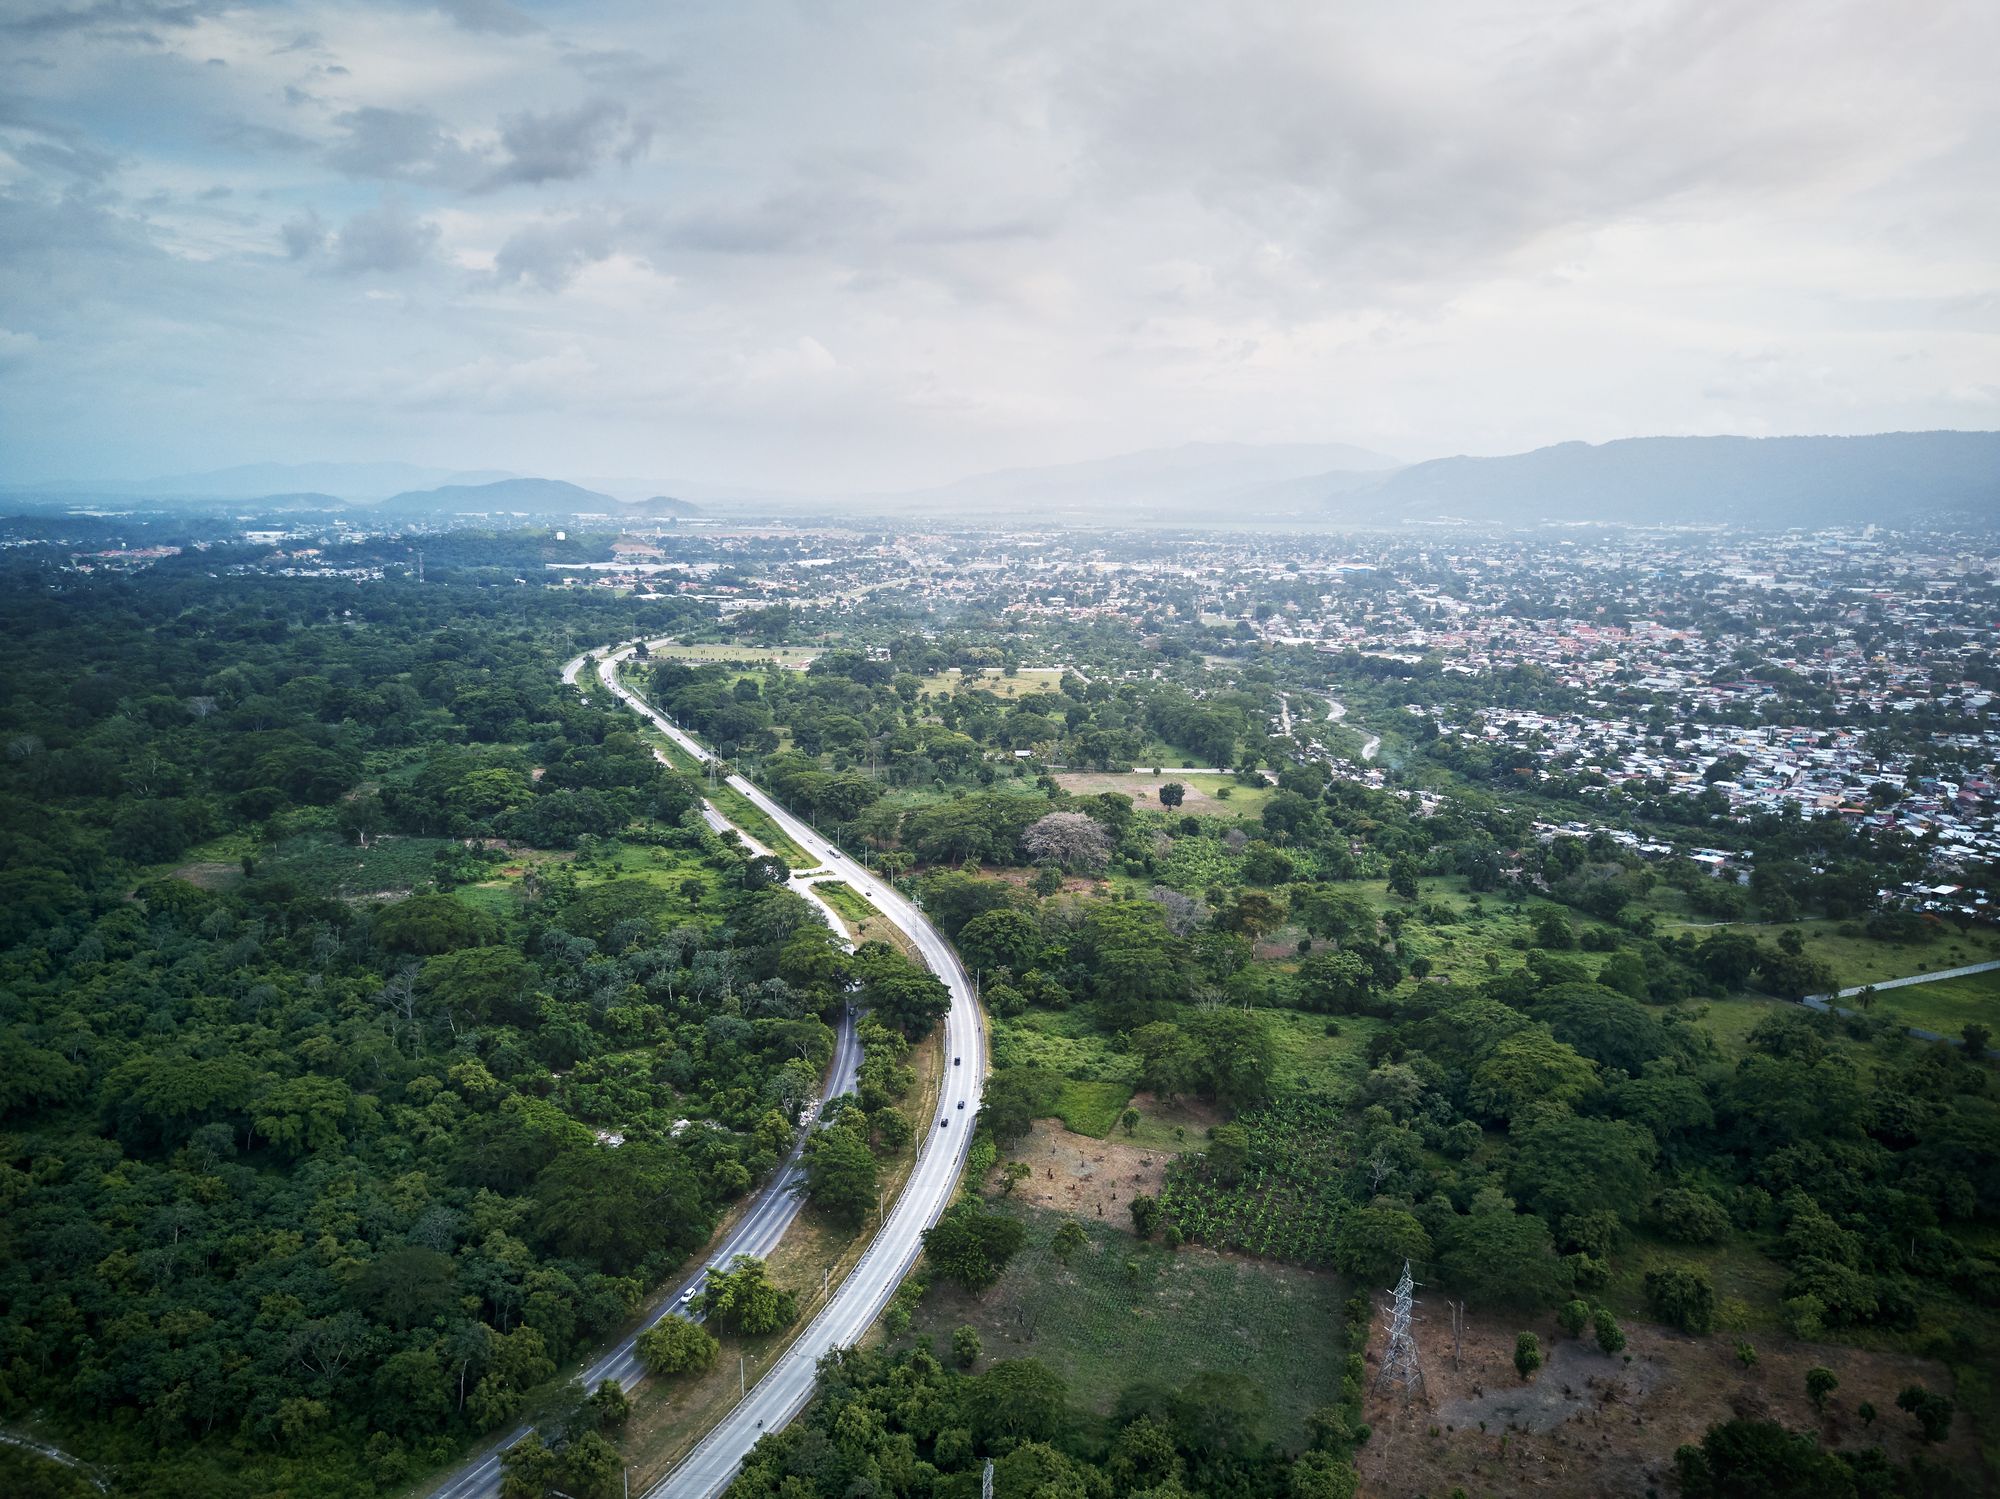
<point>756,1232</point>
<point>787,1385</point>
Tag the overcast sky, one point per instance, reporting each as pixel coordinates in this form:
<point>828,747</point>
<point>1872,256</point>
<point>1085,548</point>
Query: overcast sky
<point>846,246</point>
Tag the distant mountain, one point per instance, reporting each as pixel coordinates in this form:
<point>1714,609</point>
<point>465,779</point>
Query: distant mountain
<point>347,481</point>
<point>308,500</point>
<point>1892,478</point>
<point>1195,482</point>
<point>534,496</point>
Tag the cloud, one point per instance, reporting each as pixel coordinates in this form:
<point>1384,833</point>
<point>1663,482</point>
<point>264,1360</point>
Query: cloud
<point>126,19</point>
<point>387,237</point>
<point>494,16</point>
<point>303,236</point>
<point>402,145</point>
<point>550,254</point>
<point>564,145</point>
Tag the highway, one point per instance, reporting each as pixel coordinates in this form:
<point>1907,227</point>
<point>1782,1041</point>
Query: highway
<point>771,1211</point>
<point>787,1385</point>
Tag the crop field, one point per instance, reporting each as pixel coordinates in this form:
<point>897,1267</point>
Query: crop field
<point>327,864</point>
<point>1122,1312</point>
<point>1287,1203</point>
<point>1943,1006</point>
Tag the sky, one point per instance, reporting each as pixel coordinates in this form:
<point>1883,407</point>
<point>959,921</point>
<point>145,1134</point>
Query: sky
<point>832,248</point>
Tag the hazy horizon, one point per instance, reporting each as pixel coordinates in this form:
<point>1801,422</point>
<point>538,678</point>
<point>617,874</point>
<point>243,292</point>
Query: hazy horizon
<point>756,247</point>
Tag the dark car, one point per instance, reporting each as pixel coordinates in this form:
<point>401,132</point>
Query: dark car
<point>961,1103</point>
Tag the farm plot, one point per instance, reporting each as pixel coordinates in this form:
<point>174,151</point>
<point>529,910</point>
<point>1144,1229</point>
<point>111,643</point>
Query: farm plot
<point>1286,1201</point>
<point>1120,1313</point>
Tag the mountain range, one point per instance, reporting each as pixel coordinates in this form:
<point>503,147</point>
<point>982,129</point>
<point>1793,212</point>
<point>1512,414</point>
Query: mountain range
<point>1890,478</point>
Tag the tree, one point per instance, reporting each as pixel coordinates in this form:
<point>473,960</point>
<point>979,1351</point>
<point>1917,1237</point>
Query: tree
<point>1073,840</point>
<point>1372,1243</point>
<point>1565,1163</point>
<point>965,1346</point>
<point>909,998</point>
<point>615,1206</point>
<point>743,1299</point>
<point>841,1172</point>
<point>1002,938</point>
<point>1690,1216</point>
<point>1610,1336</point>
<point>970,1247</point>
<point>1145,1215</point>
<point>1527,1355</point>
<point>1069,1238</point>
<point>1684,1296</point>
<point>1172,794</point>
<point>1403,877</point>
<point>1012,1174</point>
<point>1978,1038</point>
<point>1129,1121</point>
<point>674,1345</point>
<point>1573,1317</point>
<point>1820,1383</point>
<point>406,1287</point>
<point>1527,1068</point>
<point>1494,1253</point>
<point>1932,1412</point>
<point>1553,930</point>
<point>1017,1400</point>
<point>609,1407</point>
<point>1762,1458</point>
<point>426,924</point>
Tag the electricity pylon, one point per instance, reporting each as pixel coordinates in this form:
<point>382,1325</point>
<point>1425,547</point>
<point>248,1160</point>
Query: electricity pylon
<point>1399,1359</point>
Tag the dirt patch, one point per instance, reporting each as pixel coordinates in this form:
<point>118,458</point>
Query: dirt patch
<point>1591,1423</point>
<point>1144,789</point>
<point>210,874</point>
<point>1083,1177</point>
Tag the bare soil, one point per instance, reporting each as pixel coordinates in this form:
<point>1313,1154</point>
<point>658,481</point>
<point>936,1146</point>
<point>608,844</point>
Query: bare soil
<point>1591,1424</point>
<point>1144,789</point>
<point>1083,1177</point>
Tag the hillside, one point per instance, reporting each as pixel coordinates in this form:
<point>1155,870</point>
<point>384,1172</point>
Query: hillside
<point>536,496</point>
<point>1891,478</point>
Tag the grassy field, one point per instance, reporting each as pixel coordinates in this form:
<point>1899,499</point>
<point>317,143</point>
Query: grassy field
<point>797,657</point>
<point>1855,959</point>
<point>1029,679</point>
<point>327,864</point>
<point>740,810</point>
<point>1122,1312</point>
<point>1206,795</point>
<point>1943,1006</point>
<point>849,902</point>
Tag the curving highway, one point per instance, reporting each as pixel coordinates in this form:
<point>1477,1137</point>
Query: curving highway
<point>787,1385</point>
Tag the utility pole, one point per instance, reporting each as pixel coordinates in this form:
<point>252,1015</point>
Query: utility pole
<point>742,1380</point>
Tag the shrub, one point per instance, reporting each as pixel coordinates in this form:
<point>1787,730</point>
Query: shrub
<point>1684,1296</point>
<point>1610,1336</point>
<point>1527,1354</point>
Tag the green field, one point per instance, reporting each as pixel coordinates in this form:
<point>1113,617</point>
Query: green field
<point>796,656</point>
<point>1104,1326</point>
<point>328,864</point>
<point>844,898</point>
<point>1028,679</point>
<point>740,810</point>
<point>1856,959</point>
<point>1943,1006</point>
